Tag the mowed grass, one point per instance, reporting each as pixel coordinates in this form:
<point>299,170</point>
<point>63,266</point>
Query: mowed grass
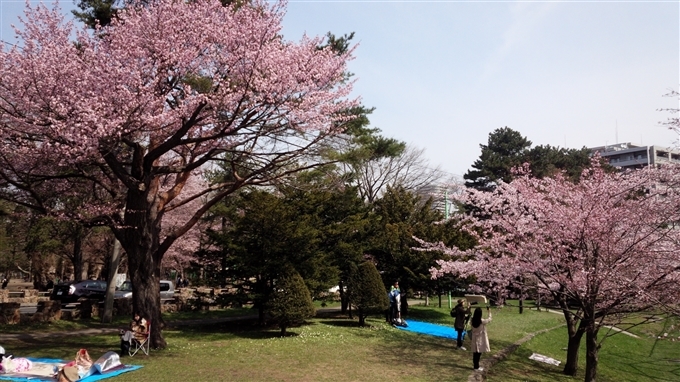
<point>325,349</point>
<point>334,348</point>
<point>651,357</point>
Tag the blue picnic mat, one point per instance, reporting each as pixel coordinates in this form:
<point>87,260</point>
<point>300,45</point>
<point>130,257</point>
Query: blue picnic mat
<point>430,329</point>
<point>95,377</point>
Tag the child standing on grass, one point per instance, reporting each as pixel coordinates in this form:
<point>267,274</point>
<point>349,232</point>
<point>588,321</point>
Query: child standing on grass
<point>480,340</point>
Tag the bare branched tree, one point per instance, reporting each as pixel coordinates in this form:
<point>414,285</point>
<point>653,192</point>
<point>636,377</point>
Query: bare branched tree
<point>410,170</point>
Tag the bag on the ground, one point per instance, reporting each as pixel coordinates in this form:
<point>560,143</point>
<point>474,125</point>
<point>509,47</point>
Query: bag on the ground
<point>124,347</point>
<point>68,374</point>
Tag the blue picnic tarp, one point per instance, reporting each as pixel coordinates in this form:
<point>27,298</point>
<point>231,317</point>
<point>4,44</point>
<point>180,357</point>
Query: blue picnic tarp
<point>95,377</point>
<point>430,329</point>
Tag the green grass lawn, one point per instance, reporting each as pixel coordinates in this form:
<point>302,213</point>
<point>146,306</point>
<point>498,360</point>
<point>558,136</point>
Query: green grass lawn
<point>336,349</point>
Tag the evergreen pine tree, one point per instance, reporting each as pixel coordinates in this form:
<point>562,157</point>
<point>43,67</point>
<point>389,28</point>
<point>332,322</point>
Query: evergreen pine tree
<point>290,302</point>
<point>367,292</point>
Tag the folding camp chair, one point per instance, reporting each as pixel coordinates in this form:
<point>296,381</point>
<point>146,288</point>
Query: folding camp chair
<point>143,345</point>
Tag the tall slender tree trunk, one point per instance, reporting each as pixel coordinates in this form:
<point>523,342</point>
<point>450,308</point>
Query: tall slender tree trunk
<point>592,350</point>
<point>521,295</point>
<point>114,262</point>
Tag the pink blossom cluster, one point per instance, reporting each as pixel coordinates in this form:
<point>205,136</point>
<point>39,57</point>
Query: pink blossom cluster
<point>611,240</point>
<point>135,110</point>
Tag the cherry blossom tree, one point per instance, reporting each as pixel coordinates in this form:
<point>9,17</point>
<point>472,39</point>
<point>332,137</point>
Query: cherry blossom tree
<point>127,115</point>
<point>602,247</point>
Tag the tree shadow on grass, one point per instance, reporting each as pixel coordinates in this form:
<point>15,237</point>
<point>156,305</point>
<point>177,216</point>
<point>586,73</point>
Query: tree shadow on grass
<point>245,329</point>
<point>429,315</point>
<point>649,368</point>
<point>518,367</point>
<point>435,357</point>
<point>341,323</point>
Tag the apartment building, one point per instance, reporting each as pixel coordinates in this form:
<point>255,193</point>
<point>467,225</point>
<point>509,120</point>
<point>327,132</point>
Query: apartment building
<point>629,155</point>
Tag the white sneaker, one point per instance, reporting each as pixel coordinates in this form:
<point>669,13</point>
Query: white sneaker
<point>462,348</point>
<point>480,369</point>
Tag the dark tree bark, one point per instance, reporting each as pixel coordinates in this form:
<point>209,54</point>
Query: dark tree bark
<point>592,350</point>
<point>140,239</point>
<point>575,335</point>
<point>575,329</point>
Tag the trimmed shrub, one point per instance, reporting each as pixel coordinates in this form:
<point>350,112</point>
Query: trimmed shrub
<point>290,303</point>
<point>367,292</point>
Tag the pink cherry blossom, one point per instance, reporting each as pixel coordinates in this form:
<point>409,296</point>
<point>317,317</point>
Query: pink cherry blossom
<point>124,118</point>
<point>607,245</point>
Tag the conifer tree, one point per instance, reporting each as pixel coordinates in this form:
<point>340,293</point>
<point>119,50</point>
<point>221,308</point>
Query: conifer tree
<point>367,292</point>
<point>290,302</point>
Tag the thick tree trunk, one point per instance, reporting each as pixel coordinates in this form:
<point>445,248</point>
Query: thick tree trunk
<point>141,237</point>
<point>146,295</point>
<point>575,334</point>
<point>592,349</point>
<point>521,305</point>
<point>114,262</point>
<point>571,364</point>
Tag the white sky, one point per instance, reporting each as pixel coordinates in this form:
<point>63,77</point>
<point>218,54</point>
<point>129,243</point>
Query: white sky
<point>443,74</point>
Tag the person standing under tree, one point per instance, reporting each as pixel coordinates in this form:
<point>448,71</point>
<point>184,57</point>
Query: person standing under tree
<point>480,340</point>
<point>461,313</point>
<point>395,301</point>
